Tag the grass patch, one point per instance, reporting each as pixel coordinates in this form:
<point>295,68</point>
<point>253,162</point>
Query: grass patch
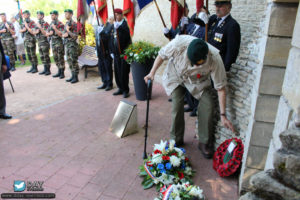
<point>27,62</point>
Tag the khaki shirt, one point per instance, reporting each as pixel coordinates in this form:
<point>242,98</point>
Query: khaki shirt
<point>179,70</point>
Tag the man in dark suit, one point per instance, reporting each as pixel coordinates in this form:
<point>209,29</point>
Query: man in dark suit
<point>224,33</point>
<point>103,39</point>
<point>122,68</point>
<point>3,69</point>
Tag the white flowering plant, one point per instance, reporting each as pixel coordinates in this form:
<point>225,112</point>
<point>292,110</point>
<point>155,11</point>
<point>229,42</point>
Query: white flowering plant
<point>180,191</point>
<point>140,52</point>
<point>166,165</point>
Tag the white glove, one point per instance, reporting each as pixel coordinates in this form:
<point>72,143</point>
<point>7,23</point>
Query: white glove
<point>116,25</point>
<point>166,30</point>
<point>184,20</point>
<point>100,28</point>
<point>112,55</point>
<point>203,16</point>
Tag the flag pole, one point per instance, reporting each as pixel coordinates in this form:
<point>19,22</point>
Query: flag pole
<point>206,25</point>
<point>162,19</point>
<point>117,32</point>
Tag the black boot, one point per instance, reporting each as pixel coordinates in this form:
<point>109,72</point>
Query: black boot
<point>71,78</point>
<point>43,72</point>
<point>75,79</point>
<point>29,71</point>
<point>62,74</point>
<point>47,70</point>
<point>57,74</point>
<point>13,68</point>
<point>35,70</point>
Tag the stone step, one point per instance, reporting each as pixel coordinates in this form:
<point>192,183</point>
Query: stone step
<point>250,196</point>
<point>291,139</point>
<point>266,186</point>
<point>287,168</point>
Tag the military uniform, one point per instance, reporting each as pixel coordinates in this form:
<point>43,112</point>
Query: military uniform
<point>58,48</point>
<point>8,42</point>
<point>72,49</point>
<point>225,35</point>
<point>44,47</point>
<point>121,67</point>
<point>30,45</point>
<point>180,75</point>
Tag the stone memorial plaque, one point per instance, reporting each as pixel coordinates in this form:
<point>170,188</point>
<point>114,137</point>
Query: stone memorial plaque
<point>125,120</point>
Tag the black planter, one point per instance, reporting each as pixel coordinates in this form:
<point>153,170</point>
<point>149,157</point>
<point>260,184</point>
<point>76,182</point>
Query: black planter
<point>139,71</point>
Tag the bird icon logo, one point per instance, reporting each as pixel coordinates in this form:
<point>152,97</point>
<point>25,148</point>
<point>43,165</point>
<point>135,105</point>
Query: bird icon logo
<point>19,186</point>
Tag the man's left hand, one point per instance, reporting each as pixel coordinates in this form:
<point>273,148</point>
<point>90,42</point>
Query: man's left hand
<point>4,68</point>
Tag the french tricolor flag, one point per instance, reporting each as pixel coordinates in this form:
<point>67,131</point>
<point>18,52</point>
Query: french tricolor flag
<point>131,9</point>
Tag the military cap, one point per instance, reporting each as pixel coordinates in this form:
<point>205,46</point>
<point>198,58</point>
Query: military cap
<point>118,10</point>
<point>221,2</point>
<point>55,12</point>
<point>69,11</point>
<point>40,12</point>
<point>26,12</point>
<point>3,14</point>
<point>197,50</point>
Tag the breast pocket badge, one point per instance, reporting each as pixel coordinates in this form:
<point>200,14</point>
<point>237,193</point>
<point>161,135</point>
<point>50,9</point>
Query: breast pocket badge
<point>218,37</point>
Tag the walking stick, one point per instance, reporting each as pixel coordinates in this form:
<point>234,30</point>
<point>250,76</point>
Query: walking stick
<point>149,88</point>
<point>117,32</point>
<point>206,25</point>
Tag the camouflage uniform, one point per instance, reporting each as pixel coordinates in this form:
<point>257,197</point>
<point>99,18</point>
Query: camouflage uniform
<point>57,46</point>
<point>44,47</point>
<point>8,42</point>
<point>72,49</point>
<point>30,45</point>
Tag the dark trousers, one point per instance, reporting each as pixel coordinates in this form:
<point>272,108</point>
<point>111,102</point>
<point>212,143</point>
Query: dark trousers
<point>122,69</point>
<point>105,69</point>
<point>2,96</point>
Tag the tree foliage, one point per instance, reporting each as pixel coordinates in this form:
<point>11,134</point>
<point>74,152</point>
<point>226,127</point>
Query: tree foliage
<point>48,5</point>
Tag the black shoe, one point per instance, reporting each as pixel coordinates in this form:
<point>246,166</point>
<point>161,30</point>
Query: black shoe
<point>35,69</point>
<point>29,71</point>
<point>43,72</point>
<point>108,88</point>
<point>187,109</point>
<point>170,100</point>
<point>47,70</point>
<point>101,87</point>
<point>193,113</point>
<point>13,68</point>
<point>71,78</point>
<point>119,92</point>
<point>75,79</point>
<point>62,74</point>
<point>5,116</point>
<point>126,94</point>
<point>205,150</point>
<point>57,74</point>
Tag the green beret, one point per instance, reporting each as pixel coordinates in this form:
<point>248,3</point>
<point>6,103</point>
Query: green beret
<point>55,12</point>
<point>40,12</point>
<point>69,11</point>
<point>197,50</point>
<point>26,12</point>
<point>3,14</point>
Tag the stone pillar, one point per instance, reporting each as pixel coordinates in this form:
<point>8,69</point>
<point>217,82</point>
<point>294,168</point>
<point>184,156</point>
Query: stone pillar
<point>269,89</point>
